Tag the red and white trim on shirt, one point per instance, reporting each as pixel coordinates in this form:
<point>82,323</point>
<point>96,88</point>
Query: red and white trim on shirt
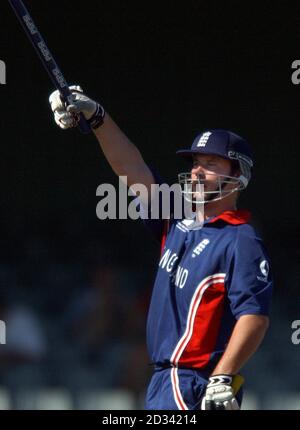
<point>182,345</point>
<point>236,217</point>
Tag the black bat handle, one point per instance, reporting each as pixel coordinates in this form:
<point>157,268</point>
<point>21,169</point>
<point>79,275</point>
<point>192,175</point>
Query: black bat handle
<point>45,56</point>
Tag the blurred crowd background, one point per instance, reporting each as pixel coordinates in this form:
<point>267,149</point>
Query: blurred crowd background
<point>74,290</point>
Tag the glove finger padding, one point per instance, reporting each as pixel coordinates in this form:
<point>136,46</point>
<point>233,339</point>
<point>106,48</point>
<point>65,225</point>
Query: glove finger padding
<point>82,104</point>
<point>67,116</point>
<point>76,88</point>
<point>220,392</point>
<point>56,103</point>
<point>65,120</point>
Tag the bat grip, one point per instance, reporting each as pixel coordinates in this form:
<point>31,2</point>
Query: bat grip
<point>83,125</point>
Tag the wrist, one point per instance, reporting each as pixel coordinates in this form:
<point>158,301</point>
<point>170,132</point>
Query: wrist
<point>225,368</point>
<point>220,378</point>
<point>97,118</point>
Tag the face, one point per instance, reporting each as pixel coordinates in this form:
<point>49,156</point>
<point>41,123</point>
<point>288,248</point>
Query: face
<point>208,168</point>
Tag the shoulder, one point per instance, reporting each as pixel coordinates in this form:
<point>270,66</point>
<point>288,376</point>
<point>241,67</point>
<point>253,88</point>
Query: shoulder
<point>244,241</point>
<point>241,232</point>
<point>247,232</point>
<point>248,245</point>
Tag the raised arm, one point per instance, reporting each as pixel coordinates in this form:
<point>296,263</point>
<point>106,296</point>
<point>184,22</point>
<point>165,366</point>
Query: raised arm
<point>123,156</point>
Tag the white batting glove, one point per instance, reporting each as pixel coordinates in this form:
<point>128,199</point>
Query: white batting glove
<point>220,392</point>
<point>67,116</point>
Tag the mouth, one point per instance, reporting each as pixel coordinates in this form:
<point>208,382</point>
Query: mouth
<point>201,182</point>
<point>198,189</point>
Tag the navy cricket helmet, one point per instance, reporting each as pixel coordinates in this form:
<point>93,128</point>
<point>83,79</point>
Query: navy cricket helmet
<point>226,144</point>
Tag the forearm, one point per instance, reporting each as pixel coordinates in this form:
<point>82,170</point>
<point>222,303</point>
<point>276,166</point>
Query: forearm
<point>122,155</point>
<point>246,337</point>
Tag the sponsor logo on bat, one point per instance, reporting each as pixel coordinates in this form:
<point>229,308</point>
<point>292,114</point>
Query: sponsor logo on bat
<point>59,77</point>
<point>2,72</point>
<point>45,51</point>
<point>30,25</point>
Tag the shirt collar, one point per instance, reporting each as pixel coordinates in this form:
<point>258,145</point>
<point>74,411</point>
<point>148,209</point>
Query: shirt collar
<point>236,217</point>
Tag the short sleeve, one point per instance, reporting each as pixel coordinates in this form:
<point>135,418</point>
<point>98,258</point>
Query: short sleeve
<point>249,280</point>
